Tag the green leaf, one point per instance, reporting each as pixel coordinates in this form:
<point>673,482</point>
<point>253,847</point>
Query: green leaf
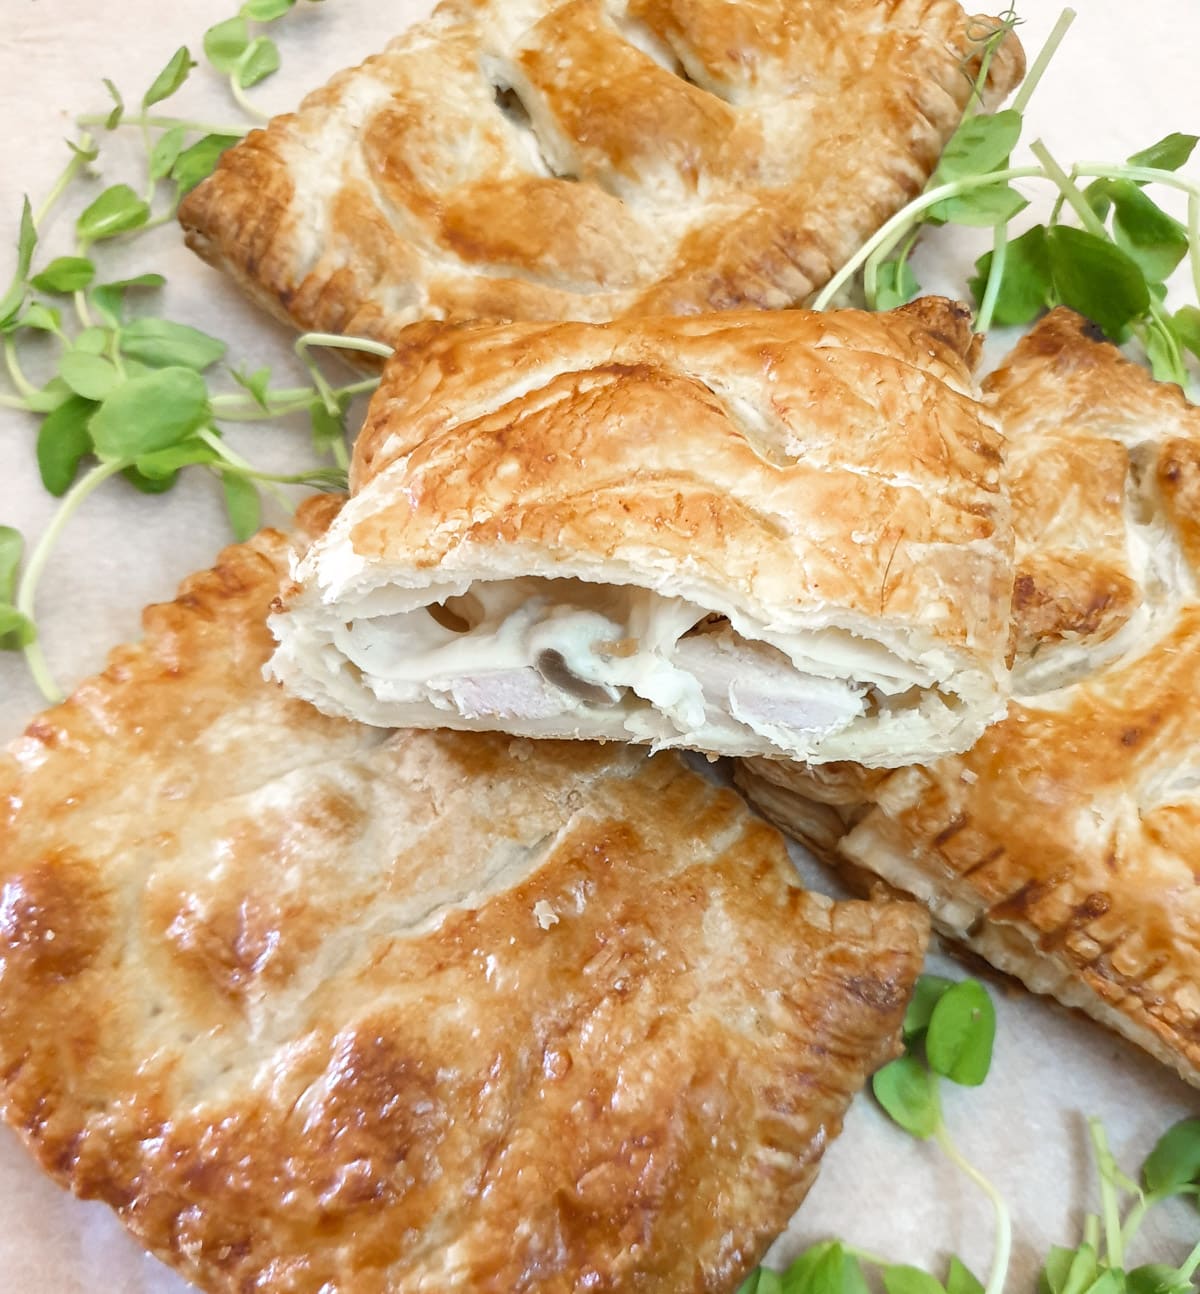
<point>259,61</point>
<point>896,285</point>
<point>26,243</point>
<point>161,343</point>
<point>41,317</point>
<point>117,210</point>
<point>114,118</point>
<point>769,1282</point>
<point>1082,1273</point>
<point>826,1268</point>
<point>750,1284</point>
<point>92,341</point>
<point>197,162</point>
<point>1187,328</point>
<point>1157,1278</point>
<point>12,545</point>
<point>993,204</point>
<point>1169,154</point>
<point>908,1092</point>
<point>257,384</point>
<point>85,147</point>
<point>1109,1281</point>
<point>91,376</point>
<point>1027,286</point>
<point>1175,1160</point>
<point>150,484</point>
<point>243,504</point>
<point>54,393</point>
<point>65,274</point>
<point>327,429</point>
<point>266,10</point>
<point>150,413</point>
<point>961,1279</point>
<point>167,462</point>
<point>1055,1270</point>
<point>225,43</point>
<point>1154,240</point>
<point>16,630</point>
<point>902,1279</point>
<point>109,298</point>
<point>62,443</point>
<point>165,153</point>
<point>979,145</point>
<point>1096,278</point>
<point>1163,350</point>
<point>170,78</point>
<point>962,1029</point>
<point>927,994</point>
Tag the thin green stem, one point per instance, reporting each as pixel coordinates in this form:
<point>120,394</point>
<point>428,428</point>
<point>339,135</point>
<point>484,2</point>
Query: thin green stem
<point>58,188</point>
<point>81,308</point>
<point>1045,54</point>
<point>15,373</point>
<point>1069,189</point>
<point>1003,1242</point>
<point>320,477</point>
<point>337,342</point>
<point>1114,1247</point>
<point>218,446</point>
<point>987,307</point>
<point>1189,1266</point>
<point>27,593</point>
<point>247,105</point>
<point>903,218</point>
<point>245,408</point>
<point>15,402</point>
<point>1194,241</point>
<point>1091,1232</point>
<point>164,123</point>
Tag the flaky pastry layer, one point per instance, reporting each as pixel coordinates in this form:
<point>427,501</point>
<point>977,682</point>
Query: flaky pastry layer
<point>1063,847</point>
<point>743,533</point>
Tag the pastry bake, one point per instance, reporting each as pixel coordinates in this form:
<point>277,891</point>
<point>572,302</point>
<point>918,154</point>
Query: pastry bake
<point>1063,847</point>
<point>741,533</point>
<point>315,1006</point>
<point>588,159</point>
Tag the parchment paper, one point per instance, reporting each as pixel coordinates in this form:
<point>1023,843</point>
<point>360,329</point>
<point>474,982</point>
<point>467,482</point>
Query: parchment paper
<point>1126,76</point>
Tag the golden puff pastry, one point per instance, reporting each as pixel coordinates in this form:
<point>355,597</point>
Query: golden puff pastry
<point>315,1006</point>
<point>1064,846</point>
<point>740,533</point>
<point>588,159</point>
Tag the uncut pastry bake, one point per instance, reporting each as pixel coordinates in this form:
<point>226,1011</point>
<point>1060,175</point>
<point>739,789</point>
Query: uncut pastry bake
<point>534,159</point>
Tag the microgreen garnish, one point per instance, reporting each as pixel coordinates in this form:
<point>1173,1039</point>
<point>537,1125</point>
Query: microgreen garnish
<point>1106,250</point>
<point>131,393</point>
<point>948,1032</point>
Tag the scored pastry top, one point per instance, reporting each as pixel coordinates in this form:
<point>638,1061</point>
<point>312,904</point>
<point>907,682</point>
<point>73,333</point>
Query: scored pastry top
<point>534,159</point>
<point>316,1006</point>
<point>791,516</point>
<point>1064,845</point>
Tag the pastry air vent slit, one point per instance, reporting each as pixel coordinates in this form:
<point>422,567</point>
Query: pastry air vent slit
<point>512,108</point>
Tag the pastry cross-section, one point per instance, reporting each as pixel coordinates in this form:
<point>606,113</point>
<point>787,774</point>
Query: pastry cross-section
<point>534,159</point>
<point>743,533</point>
<point>1065,847</point>
<point>315,1006</point>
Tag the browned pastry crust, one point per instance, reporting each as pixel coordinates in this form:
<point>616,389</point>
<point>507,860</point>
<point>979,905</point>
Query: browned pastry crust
<point>316,1007</point>
<point>573,159</point>
<point>1064,847</point>
<point>826,482</point>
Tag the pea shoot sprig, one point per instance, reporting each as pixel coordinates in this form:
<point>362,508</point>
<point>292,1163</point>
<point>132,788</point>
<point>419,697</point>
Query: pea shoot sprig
<point>131,394</point>
<point>949,1032</point>
<point>1106,250</point>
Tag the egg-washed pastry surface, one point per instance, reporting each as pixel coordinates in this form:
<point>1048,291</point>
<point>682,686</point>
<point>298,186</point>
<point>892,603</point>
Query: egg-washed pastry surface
<point>741,533</point>
<point>534,159</point>
<point>1064,846</point>
<point>318,1007</point>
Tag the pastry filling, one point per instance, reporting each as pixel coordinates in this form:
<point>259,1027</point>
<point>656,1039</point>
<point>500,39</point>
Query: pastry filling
<point>531,649</point>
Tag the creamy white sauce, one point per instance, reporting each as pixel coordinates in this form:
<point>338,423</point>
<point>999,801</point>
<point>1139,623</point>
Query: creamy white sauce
<point>537,649</point>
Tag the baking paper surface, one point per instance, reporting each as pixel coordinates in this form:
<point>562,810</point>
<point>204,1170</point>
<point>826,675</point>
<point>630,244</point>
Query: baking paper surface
<point>1125,77</point>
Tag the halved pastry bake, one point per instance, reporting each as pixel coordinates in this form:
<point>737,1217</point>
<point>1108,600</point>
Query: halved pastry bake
<point>1064,847</point>
<point>741,533</point>
<point>586,159</point>
<point>314,1006</point>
